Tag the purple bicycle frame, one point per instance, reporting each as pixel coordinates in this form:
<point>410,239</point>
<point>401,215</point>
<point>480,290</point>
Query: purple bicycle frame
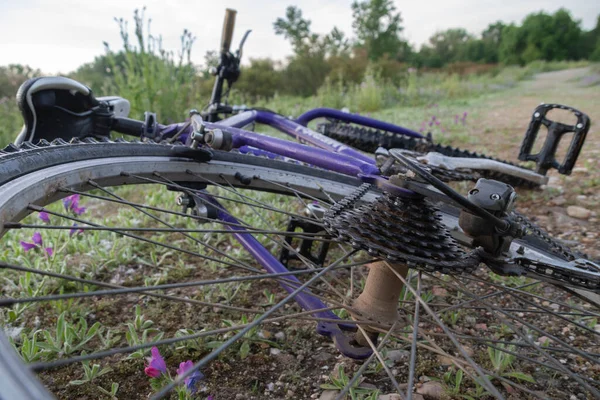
<point>323,152</point>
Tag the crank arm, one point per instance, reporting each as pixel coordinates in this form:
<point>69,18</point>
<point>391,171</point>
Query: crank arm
<point>482,164</point>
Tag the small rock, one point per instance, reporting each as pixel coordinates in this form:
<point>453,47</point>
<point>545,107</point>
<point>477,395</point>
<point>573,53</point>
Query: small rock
<point>558,201</point>
<point>470,320</point>
<point>439,291</point>
<point>290,394</point>
<point>398,355</point>
<point>270,386</point>
<point>444,360</point>
<point>328,395</point>
<point>323,357</point>
<point>481,327</point>
<point>274,351</point>
<point>578,212</point>
<point>470,352</point>
<point>580,170</point>
<point>391,396</point>
<point>597,328</point>
<point>264,334</point>
<point>280,336</point>
<point>432,390</point>
<point>13,332</point>
<point>543,340</point>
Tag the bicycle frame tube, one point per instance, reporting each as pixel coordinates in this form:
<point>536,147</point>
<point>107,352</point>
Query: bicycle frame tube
<point>305,299</point>
<point>329,159</point>
<point>313,114</point>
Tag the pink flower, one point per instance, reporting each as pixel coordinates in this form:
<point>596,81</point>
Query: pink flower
<point>156,364</point>
<point>191,380</point>
<point>37,244</point>
<point>152,372</point>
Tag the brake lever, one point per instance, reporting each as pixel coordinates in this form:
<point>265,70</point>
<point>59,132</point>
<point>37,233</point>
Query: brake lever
<point>241,47</point>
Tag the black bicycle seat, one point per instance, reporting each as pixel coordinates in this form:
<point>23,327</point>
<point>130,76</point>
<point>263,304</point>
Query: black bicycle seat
<point>58,107</point>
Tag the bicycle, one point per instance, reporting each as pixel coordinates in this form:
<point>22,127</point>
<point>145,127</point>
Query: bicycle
<point>312,215</point>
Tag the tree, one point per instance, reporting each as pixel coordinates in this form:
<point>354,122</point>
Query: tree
<point>450,45</point>
<point>491,38</point>
<point>260,79</point>
<point>336,43</point>
<point>12,76</point>
<point>294,28</point>
<point>378,26</point>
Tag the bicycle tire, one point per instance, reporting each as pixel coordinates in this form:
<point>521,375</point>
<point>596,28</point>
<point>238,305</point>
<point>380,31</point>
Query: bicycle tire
<point>60,161</point>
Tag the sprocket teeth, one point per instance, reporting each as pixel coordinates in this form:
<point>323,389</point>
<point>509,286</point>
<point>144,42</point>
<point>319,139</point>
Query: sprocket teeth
<point>402,230</point>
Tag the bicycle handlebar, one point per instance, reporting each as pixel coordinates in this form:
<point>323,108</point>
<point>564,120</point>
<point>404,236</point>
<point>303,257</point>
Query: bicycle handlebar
<point>227,34</point>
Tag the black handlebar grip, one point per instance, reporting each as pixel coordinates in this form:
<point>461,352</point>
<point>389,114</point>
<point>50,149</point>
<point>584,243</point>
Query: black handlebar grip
<point>128,126</point>
<point>227,34</point>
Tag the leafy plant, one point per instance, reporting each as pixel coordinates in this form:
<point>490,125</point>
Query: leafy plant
<point>68,338</point>
<point>91,373</point>
<point>340,380</point>
<point>502,363</point>
<point>140,331</point>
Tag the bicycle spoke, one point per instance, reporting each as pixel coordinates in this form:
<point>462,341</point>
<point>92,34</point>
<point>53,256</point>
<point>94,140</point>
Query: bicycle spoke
<point>167,389</point>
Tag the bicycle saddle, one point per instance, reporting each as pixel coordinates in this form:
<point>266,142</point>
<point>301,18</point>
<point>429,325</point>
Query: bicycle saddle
<point>58,107</point>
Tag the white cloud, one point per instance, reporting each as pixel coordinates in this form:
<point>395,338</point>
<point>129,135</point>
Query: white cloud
<point>60,36</point>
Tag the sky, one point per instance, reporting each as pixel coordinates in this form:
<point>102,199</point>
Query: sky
<point>59,36</point>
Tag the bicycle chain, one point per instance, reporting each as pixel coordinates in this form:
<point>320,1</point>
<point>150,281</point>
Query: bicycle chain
<point>534,230</point>
<point>369,140</point>
<point>445,175</point>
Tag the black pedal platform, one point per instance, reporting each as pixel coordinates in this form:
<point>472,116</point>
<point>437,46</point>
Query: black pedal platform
<point>546,158</point>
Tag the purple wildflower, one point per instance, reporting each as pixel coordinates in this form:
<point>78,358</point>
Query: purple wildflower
<point>44,217</point>
<point>71,203</point>
<point>156,364</point>
<point>191,380</point>
<point>28,246</point>
<point>37,238</point>
<point>75,229</point>
<point>36,243</point>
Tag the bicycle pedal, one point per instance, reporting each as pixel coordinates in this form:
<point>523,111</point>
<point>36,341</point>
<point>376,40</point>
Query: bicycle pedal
<point>545,159</point>
<point>310,249</point>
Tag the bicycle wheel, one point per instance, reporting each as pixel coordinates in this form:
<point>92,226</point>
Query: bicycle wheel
<point>369,140</point>
<point>69,298</point>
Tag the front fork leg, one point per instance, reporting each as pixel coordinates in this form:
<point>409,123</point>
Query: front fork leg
<point>379,299</point>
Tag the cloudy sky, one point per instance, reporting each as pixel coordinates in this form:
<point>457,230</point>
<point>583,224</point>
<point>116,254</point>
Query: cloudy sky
<point>61,35</point>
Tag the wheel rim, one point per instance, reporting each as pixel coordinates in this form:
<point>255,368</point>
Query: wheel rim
<point>508,310</point>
